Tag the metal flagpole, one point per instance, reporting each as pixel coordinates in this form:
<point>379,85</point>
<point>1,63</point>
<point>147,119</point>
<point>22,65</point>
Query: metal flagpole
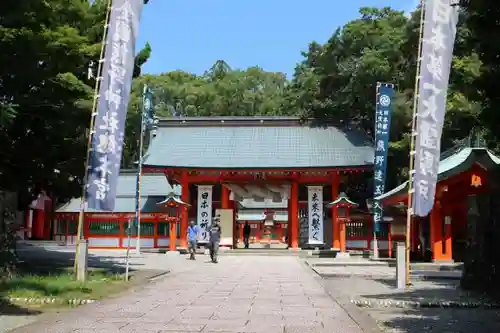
<point>139,174</point>
<point>81,216</point>
<point>127,257</point>
<point>413,134</point>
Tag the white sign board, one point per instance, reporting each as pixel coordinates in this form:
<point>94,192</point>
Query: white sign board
<point>204,219</point>
<point>315,208</point>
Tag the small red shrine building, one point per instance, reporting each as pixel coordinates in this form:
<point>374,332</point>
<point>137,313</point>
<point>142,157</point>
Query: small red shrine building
<point>462,172</point>
<point>109,229</point>
<point>221,161</point>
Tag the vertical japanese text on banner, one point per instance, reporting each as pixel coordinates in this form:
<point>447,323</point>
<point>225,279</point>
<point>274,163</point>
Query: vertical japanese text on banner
<point>437,51</point>
<point>383,110</point>
<point>204,212</point>
<point>315,198</point>
<point>114,94</point>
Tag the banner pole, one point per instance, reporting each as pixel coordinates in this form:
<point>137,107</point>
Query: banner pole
<point>139,175</point>
<point>413,133</point>
<point>81,216</point>
<point>127,256</point>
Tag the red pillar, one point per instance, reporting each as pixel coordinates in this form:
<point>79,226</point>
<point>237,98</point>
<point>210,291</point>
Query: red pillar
<point>185,211</point>
<point>448,253</point>
<point>38,224</point>
<point>436,233</point>
<point>173,233</point>
<point>294,215</point>
<point>342,233</point>
<point>224,197</point>
<point>335,222</point>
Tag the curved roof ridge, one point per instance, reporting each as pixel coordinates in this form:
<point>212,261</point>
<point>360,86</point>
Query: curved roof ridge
<point>446,167</point>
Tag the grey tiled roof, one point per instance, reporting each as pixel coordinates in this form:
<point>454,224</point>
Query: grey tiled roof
<point>122,205</point>
<point>151,184</point>
<point>238,143</point>
<point>154,188</point>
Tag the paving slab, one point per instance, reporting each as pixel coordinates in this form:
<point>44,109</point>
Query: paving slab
<point>391,319</point>
<point>239,294</point>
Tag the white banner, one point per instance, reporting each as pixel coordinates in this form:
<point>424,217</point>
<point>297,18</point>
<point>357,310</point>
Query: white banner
<point>204,212</point>
<point>315,208</point>
<point>440,28</point>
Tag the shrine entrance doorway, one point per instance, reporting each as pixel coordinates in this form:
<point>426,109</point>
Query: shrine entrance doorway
<point>269,227</point>
<point>264,207</point>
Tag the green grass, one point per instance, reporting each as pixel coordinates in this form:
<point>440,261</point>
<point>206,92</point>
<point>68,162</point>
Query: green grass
<point>63,286</point>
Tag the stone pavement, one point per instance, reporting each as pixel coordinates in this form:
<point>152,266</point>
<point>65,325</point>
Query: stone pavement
<point>417,320</point>
<point>360,267</point>
<point>239,294</point>
<point>355,271</point>
<point>105,258</point>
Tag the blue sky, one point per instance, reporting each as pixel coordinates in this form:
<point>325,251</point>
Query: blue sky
<point>192,34</point>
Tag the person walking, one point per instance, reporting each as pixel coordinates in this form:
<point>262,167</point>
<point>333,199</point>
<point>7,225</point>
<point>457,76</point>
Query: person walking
<point>215,232</point>
<point>246,235</point>
<point>192,232</point>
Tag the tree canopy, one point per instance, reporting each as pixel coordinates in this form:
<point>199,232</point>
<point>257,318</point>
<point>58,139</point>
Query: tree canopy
<point>46,94</point>
<point>338,80</point>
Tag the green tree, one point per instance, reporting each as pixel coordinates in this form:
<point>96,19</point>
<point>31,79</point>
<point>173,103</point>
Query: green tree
<point>337,81</point>
<point>482,21</point>
<point>46,95</point>
<point>44,61</point>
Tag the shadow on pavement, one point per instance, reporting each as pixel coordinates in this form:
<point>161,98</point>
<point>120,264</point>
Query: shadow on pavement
<point>444,308</point>
<point>9,309</point>
<point>56,259</point>
<point>39,261</point>
<point>438,291</point>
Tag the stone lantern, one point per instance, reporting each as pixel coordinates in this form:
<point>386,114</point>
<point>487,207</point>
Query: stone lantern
<point>173,207</point>
<point>343,206</point>
<point>268,225</point>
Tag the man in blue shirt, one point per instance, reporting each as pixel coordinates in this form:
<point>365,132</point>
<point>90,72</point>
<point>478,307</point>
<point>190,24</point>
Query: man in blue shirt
<point>192,232</point>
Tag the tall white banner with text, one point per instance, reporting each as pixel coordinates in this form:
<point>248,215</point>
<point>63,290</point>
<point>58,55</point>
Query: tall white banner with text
<point>315,208</point>
<point>204,219</point>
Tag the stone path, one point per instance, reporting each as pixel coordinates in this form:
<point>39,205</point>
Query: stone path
<point>240,294</point>
<point>18,317</point>
<point>370,269</point>
<point>417,320</point>
<point>360,271</point>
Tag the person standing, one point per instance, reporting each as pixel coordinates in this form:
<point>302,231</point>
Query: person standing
<point>246,235</point>
<point>192,232</point>
<point>215,232</point>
